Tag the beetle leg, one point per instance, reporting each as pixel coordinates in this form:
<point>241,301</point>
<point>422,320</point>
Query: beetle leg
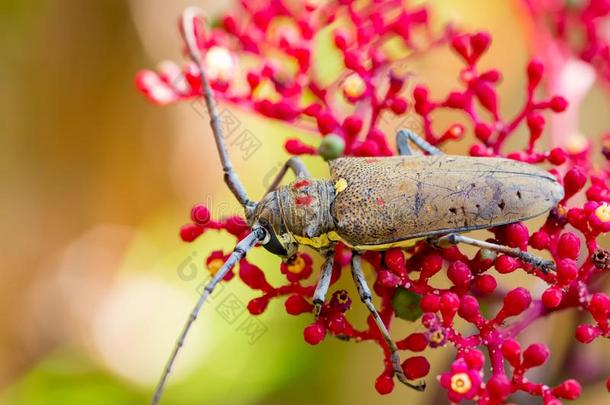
<point>402,143</point>
<point>298,168</point>
<point>319,295</point>
<point>454,238</point>
<point>365,297</point>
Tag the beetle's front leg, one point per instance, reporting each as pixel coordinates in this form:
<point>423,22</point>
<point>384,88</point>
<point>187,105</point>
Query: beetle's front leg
<point>298,168</point>
<point>454,238</point>
<point>365,296</point>
<point>319,295</point>
<point>402,143</point>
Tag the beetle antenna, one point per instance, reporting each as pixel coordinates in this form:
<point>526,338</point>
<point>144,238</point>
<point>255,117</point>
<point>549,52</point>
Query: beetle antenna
<point>239,252</point>
<point>187,28</point>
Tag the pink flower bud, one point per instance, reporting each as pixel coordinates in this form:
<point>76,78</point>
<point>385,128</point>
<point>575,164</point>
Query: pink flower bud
<point>506,264</point>
<point>450,303</point>
<point>415,342</point>
<point>314,333</point>
<point>534,73</point>
<point>384,384</point>
<point>257,306</point>
<point>587,333</point>
<point>574,180</point>
<point>535,355</point>
<point>569,246</point>
<point>511,350</point>
<point>459,274</point>
<point>200,214</point>
<point>499,387</point>
<point>569,389</point>
<point>430,303</point>
<point>486,283</point>
<point>567,271</point>
<point>431,264</point>
<point>540,240</point>
<point>190,232</point>
<point>559,104</point>
<point>469,309</point>
<point>416,367</point>
<point>516,301</point>
<point>552,297</point>
<point>296,305</point>
<point>599,307</point>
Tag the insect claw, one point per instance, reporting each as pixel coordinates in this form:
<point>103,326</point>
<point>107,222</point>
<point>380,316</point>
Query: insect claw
<point>317,309</point>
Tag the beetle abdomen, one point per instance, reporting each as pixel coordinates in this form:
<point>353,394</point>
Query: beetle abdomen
<point>385,200</point>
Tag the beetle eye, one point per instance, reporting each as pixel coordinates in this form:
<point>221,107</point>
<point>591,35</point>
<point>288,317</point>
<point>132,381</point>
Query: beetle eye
<point>273,245</point>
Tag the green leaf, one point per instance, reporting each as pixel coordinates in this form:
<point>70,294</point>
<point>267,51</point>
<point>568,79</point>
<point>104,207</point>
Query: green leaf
<point>406,304</point>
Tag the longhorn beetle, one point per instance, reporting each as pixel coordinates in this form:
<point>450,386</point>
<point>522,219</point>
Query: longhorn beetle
<point>375,204</point>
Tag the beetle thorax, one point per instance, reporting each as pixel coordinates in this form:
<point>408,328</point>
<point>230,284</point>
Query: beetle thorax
<point>305,207</point>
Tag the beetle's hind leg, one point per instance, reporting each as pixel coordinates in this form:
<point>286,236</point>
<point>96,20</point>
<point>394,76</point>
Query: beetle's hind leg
<point>454,238</point>
<point>319,295</point>
<point>365,296</point>
<point>298,168</point>
<point>402,143</point>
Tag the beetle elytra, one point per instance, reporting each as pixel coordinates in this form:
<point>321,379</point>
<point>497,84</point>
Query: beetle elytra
<point>375,204</point>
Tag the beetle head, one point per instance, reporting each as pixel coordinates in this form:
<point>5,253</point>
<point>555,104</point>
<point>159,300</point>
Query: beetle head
<point>279,241</point>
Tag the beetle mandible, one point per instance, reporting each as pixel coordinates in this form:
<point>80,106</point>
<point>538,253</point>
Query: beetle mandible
<point>375,204</point>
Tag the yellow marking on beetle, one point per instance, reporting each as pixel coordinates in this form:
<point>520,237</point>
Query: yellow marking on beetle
<point>340,185</point>
<point>327,239</point>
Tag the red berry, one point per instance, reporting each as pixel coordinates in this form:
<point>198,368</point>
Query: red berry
<point>534,72</point>
<point>514,235</point>
<point>430,303</point>
<point>257,306</point>
<point>399,105</point>
<point>252,275</point>
<point>475,359</point>
<point>416,342</point>
<point>569,246</point>
<point>482,131</point>
<point>557,156</point>
<point>200,214</point>
<point>574,180</point>
<point>511,350</point>
<point>395,260</point>
<point>486,283</point>
<point>535,355</point>
<point>416,367</point>
<point>540,240</point>
<point>516,301</point>
<point>499,386</point>
<point>190,232</point>
<point>314,333</point>
<point>587,333</point>
<point>450,303</point>
<point>479,43</point>
<point>459,274</point>
<point>552,297</point>
<point>569,389</point>
<point>326,123</point>
<point>296,147</point>
<point>567,271</point>
<point>352,125</point>
<point>599,307</point>
<point>506,264</point>
<point>296,304</point>
<point>384,384</point>
<point>469,309</point>
<point>559,104</point>
<point>337,324</point>
<point>431,264</point>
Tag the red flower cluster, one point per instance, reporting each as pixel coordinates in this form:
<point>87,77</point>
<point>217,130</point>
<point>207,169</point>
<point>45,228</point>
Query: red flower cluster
<point>274,41</point>
<point>580,26</point>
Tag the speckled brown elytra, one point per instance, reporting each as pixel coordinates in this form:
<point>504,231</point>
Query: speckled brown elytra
<point>376,204</point>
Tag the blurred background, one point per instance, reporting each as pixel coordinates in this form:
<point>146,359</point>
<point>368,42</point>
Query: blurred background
<point>94,281</point>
